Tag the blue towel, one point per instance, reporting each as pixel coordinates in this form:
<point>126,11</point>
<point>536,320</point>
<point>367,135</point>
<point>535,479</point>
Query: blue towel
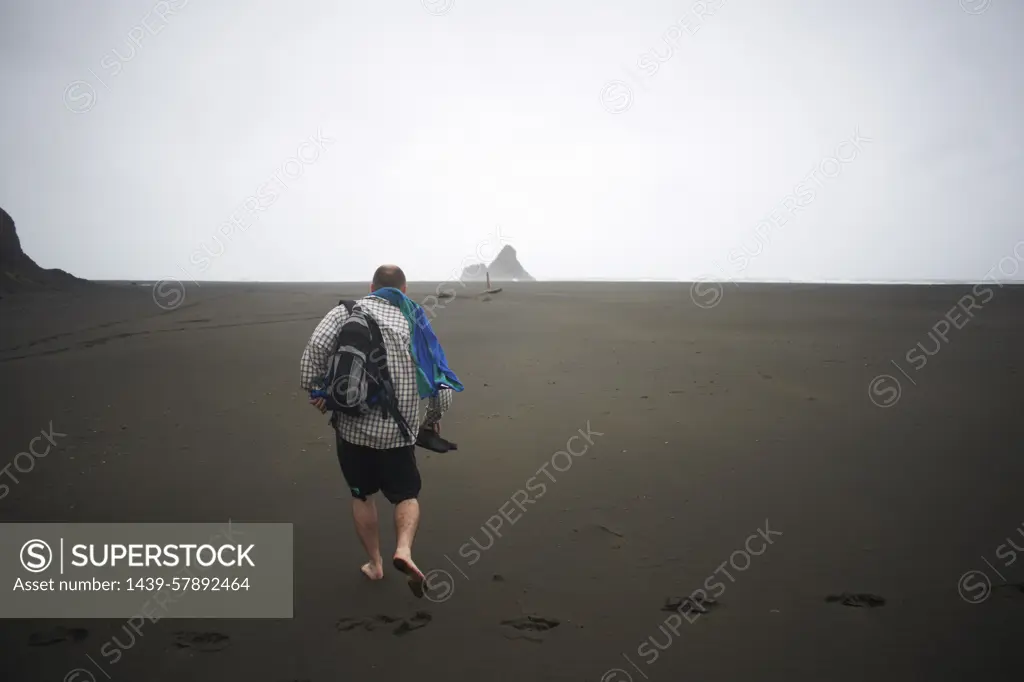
<point>432,371</point>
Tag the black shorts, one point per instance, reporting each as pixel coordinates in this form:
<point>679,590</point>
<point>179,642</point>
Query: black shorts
<point>368,471</point>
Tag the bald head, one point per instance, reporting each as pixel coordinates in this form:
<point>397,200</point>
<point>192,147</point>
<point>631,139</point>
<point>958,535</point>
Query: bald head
<point>388,276</point>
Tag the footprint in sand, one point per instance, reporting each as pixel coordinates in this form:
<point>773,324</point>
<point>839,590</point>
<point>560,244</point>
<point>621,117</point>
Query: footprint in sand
<point>57,635</point>
<point>861,600</point>
<point>530,624</point>
<point>368,624</point>
<point>533,623</point>
<point>419,620</point>
<point>405,625</point>
<point>701,603</point>
<point>346,624</point>
<point>201,641</point>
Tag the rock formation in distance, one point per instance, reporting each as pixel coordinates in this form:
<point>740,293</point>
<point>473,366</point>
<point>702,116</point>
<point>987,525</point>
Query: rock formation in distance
<point>504,268</point>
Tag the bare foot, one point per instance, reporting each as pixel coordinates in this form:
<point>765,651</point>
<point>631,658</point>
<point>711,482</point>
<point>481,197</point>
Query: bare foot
<point>404,563</point>
<point>373,571</point>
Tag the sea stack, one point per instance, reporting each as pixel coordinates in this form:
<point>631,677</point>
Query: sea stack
<point>504,268</point>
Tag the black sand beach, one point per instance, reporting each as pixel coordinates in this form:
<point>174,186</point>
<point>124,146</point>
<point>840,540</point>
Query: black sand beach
<point>748,444</point>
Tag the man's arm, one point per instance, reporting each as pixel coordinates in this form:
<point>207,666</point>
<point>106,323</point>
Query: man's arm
<point>437,406</point>
<point>319,348</point>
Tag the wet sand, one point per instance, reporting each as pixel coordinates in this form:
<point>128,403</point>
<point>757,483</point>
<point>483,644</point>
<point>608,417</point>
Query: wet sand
<point>710,430</point>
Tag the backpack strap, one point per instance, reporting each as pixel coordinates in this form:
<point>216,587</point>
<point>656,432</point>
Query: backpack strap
<point>382,375</point>
<point>390,407</point>
<point>349,305</point>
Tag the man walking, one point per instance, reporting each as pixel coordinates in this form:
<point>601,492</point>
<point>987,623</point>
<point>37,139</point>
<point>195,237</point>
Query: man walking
<point>376,454</point>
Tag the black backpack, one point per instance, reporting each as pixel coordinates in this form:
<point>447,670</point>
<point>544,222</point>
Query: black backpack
<point>357,381</point>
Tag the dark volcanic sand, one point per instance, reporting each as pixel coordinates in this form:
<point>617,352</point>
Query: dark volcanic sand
<point>713,421</point>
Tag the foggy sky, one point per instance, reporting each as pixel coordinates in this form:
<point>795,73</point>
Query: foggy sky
<point>600,138</point>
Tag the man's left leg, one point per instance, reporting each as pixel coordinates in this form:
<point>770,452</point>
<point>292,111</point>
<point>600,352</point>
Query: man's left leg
<point>407,520</point>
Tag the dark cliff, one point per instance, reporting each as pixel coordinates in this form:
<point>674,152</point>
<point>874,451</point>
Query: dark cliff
<point>18,272</point>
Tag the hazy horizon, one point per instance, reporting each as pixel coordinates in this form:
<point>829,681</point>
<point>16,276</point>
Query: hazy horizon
<point>679,141</point>
<point>994,280</point>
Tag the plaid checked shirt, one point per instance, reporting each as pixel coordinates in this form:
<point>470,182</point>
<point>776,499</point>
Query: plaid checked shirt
<point>370,430</point>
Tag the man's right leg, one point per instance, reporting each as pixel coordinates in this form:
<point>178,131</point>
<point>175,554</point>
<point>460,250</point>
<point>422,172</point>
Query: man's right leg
<point>358,468</point>
<point>365,514</point>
